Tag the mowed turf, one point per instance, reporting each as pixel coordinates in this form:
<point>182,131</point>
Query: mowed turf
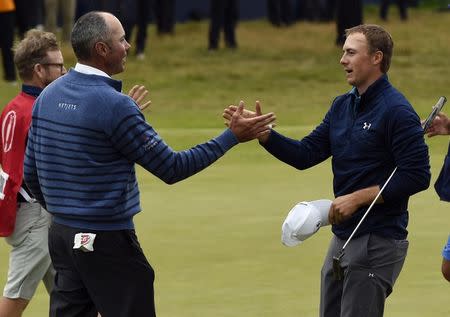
<point>214,239</point>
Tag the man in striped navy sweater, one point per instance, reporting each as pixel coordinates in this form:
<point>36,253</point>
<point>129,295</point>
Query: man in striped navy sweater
<point>83,143</point>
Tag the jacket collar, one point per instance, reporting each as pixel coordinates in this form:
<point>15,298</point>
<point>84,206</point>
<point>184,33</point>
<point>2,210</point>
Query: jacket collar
<point>31,90</point>
<point>86,78</point>
<point>371,93</point>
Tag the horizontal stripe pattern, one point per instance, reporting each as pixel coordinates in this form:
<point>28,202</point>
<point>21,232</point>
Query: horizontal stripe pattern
<point>80,156</point>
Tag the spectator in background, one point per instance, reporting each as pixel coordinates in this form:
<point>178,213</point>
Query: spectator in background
<point>84,6</point>
<point>143,14</point>
<point>130,13</point>
<point>165,16</point>
<point>329,10</point>
<point>316,10</point>
<point>7,22</point>
<point>349,14</point>
<point>53,8</point>
<point>309,10</point>
<point>279,12</point>
<point>29,15</point>
<point>143,18</point>
<point>402,7</point>
<point>223,15</point>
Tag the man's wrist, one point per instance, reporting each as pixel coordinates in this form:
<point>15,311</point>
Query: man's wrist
<point>365,196</point>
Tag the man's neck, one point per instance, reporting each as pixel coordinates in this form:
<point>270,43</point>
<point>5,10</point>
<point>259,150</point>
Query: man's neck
<point>362,89</point>
<point>91,68</point>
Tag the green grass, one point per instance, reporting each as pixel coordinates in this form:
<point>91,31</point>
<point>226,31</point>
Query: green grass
<point>214,239</point>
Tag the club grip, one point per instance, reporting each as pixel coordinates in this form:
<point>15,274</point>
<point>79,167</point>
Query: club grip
<point>435,110</point>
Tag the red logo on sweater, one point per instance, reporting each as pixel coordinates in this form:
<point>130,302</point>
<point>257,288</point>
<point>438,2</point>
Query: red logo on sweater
<point>8,127</point>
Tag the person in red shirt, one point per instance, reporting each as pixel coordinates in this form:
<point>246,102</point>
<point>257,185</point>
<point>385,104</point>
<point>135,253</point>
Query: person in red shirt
<point>23,221</point>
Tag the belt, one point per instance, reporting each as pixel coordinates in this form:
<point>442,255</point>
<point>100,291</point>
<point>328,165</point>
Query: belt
<point>25,196</point>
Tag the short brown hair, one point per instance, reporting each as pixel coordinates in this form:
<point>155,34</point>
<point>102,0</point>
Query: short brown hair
<point>378,39</point>
<point>33,50</point>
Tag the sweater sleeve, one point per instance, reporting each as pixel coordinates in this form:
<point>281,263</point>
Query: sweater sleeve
<point>311,150</point>
<point>140,143</point>
<point>30,170</point>
<point>405,137</point>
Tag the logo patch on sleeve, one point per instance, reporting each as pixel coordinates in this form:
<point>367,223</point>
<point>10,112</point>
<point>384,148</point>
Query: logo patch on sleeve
<point>8,128</point>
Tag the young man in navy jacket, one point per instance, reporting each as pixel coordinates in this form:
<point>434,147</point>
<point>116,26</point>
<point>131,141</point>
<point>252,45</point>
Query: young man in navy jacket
<point>367,132</point>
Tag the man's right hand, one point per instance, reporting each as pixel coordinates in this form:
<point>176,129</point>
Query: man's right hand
<point>248,114</point>
<point>248,125</point>
<point>439,126</point>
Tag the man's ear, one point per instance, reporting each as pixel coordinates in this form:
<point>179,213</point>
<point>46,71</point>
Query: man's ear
<point>101,48</point>
<point>377,57</point>
<point>39,70</point>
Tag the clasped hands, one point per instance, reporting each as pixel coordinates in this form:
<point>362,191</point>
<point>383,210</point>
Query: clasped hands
<point>248,125</point>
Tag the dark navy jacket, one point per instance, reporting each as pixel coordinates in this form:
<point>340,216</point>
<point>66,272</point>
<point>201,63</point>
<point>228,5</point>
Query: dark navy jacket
<point>366,142</point>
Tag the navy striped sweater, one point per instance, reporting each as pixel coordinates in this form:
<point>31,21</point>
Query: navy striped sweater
<point>83,142</point>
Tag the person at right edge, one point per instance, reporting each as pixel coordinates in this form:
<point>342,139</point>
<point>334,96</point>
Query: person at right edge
<point>367,132</point>
<point>441,126</point>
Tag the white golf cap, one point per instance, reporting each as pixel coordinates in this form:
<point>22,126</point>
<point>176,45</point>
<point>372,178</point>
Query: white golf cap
<point>304,220</point>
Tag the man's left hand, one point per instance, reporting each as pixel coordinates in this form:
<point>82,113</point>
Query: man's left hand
<point>138,93</point>
<point>342,208</point>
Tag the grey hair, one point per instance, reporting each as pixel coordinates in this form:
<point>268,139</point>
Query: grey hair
<point>89,29</point>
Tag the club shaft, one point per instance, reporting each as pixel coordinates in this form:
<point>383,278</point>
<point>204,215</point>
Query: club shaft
<point>368,209</point>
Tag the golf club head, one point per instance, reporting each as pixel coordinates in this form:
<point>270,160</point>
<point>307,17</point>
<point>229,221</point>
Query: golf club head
<point>338,271</point>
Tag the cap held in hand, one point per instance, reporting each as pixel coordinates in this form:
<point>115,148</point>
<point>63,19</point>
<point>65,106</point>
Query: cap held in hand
<point>304,220</point>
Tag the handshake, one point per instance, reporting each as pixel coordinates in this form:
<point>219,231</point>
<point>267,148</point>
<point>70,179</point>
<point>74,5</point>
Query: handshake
<point>248,125</point>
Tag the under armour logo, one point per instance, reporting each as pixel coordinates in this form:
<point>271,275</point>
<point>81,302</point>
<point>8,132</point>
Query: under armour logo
<point>371,275</point>
<point>367,126</point>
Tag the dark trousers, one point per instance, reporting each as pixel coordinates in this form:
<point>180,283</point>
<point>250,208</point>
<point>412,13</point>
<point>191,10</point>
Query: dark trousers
<point>114,280</point>
<point>348,14</point>
<point>371,265</point>
<point>224,15</point>
<point>402,7</point>
<point>133,14</point>
<point>143,17</point>
<point>165,16</point>
<point>6,43</point>
<point>280,12</point>
<point>28,15</point>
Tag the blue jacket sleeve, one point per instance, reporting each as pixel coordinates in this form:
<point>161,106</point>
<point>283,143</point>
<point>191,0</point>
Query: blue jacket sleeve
<point>140,143</point>
<point>311,150</point>
<point>30,171</point>
<point>405,138</point>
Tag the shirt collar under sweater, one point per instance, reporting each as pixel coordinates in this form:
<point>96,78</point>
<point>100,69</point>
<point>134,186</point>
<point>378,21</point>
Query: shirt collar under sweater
<point>92,79</point>
<point>89,70</point>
